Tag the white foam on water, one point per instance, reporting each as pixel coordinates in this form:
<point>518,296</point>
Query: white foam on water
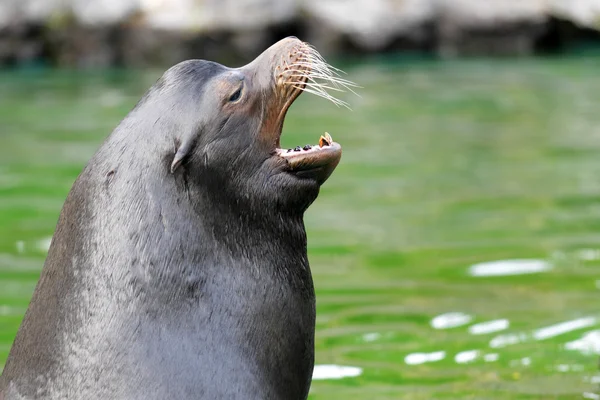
<point>20,245</point>
<point>509,267</point>
<point>564,327</point>
<point>507,339</point>
<point>466,356</point>
<point>421,358</point>
<point>588,254</point>
<point>44,244</point>
<point>588,344</point>
<point>525,361</point>
<point>483,328</point>
<point>6,311</point>
<point>332,371</point>
<point>592,396</point>
<point>558,255</point>
<point>491,357</point>
<point>370,337</point>
<point>563,367</point>
<point>547,332</point>
<point>111,98</point>
<point>450,320</point>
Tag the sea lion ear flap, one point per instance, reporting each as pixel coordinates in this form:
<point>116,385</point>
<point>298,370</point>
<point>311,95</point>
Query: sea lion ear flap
<point>181,154</point>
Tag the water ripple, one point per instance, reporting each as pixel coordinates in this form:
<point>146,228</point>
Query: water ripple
<point>483,328</point>
<point>509,267</point>
<point>421,358</point>
<point>467,356</point>
<point>331,371</point>
<point>450,320</point>
<point>588,344</point>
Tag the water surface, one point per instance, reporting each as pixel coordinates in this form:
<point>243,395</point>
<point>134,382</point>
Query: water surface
<point>455,251</point>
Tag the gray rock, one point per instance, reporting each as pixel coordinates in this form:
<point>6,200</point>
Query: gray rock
<point>585,13</point>
<point>371,24</point>
<point>142,32</point>
<point>103,12</point>
<point>214,15</point>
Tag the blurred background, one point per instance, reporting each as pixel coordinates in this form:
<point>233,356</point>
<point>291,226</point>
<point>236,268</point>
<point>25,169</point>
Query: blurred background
<point>456,249</point>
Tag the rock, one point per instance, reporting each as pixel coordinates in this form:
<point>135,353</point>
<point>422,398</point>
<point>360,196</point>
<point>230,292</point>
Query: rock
<point>82,47</point>
<point>146,32</point>
<point>27,12</point>
<point>145,47</point>
<point>215,15</point>
<point>493,27</point>
<point>94,13</point>
<point>20,45</point>
<point>490,13</point>
<point>371,24</point>
<point>581,12</point>
<point>457,24</point>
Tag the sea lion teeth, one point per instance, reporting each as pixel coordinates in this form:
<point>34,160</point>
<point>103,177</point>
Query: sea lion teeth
<point>325,140</point>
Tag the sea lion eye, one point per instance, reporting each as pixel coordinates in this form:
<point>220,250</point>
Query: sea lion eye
<point>236,96</point>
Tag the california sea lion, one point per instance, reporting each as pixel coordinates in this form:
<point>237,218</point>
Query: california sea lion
<point>178,269</point>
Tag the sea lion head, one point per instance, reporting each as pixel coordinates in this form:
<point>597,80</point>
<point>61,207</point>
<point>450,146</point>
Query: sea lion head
<point>223,127</point>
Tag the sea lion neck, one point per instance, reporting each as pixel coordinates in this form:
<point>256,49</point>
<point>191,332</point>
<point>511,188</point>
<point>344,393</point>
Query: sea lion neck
<point>247,224</point>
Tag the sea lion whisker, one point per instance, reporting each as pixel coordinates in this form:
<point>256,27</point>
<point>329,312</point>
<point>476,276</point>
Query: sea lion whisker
<point>324,74</point>
<point>336,85</point>
<point>314,53</point>
<point>335,82</point>
<point>319,63</point>
<point>308,77</point>
<point>315,57</point>
<point>321,93</point>
<point>301,74</point>
<point>335,70</point>
<point>317,91</point>
<point>313,64</point>
<point>313,67</point>
<point>338,82</point>
<point>325,95</point>
<point>328,77</point>
<point>320,85</point>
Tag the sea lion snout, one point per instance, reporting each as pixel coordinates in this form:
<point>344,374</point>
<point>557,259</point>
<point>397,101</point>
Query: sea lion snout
<point>295,67</point>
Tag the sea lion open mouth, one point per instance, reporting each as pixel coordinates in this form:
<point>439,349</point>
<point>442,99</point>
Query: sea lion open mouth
<point>300,68</point>
<point>313,160</point>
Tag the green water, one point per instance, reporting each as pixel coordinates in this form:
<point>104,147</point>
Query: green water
<point>445,165</point>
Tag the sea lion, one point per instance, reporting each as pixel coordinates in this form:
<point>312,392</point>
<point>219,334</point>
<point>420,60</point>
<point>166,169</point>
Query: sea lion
<point>178,269</point>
